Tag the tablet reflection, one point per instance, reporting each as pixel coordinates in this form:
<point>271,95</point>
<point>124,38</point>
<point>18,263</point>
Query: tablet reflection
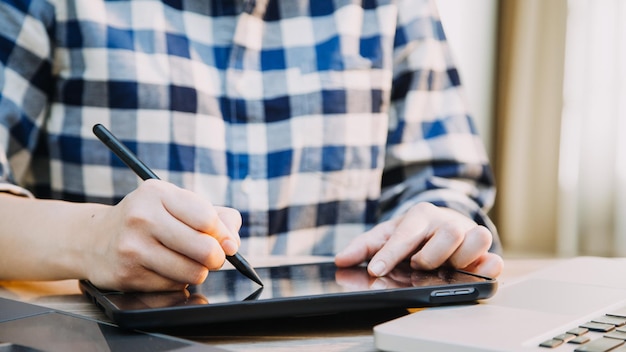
<point>286,282</point>
<point>158,299</point>
<point>255,295</point>
<point>402,276</point>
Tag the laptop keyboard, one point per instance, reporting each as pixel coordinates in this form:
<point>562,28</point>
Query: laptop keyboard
<point>602,334</point>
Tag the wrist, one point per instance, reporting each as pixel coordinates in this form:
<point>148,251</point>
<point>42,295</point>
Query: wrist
<point>82,240</point>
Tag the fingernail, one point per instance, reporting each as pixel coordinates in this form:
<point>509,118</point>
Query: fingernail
<point>229,246</point>
<point>378,284</point>
<point>377,268</point>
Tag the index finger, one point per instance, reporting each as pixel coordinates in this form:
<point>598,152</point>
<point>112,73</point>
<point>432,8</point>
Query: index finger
<point>364,247</point>
<point>409,234</point>
<point>199,214</point>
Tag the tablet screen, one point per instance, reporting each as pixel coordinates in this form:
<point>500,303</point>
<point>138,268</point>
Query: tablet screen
<point>287,282</point>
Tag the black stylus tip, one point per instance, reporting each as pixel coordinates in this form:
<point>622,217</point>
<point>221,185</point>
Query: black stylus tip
<point>242,265</point>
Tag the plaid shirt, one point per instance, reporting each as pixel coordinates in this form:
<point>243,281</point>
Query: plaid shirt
<point>315,118</point>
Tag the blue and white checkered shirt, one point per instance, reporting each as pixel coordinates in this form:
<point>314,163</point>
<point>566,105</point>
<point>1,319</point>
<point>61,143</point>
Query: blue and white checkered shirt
<point>315,118</point>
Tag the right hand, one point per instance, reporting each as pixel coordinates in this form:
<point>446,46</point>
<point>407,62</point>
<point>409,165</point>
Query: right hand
<point>159,237</point>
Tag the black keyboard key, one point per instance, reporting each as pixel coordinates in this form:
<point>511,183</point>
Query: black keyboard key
<point>616,335</point>
<point>618,312</point>
<point>577,331</point>
<point>565,337</point>
<point>609,319</point>
<point>602,344</point>
<point>579,340</point>
<point>601,327</point>
<point>552,343</point>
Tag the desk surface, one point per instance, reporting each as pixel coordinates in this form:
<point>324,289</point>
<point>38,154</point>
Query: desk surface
<point>66,296</point>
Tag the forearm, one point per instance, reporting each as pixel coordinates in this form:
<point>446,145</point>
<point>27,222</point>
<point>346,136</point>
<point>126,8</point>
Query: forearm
<point>44,239</point>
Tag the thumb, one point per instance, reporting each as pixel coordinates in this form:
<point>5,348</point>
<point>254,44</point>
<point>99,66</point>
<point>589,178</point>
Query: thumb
<point>232,219</point>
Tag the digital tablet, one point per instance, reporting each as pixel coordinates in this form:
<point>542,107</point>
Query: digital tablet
<point>289,291</point>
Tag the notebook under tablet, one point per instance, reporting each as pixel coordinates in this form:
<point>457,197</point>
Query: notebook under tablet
<point>289,291</point>
<point>560,307</point>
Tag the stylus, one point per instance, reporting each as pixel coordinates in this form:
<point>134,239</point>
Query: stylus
<point>144,172</point>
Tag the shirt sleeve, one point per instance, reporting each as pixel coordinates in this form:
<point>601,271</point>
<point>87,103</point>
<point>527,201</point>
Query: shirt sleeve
<point>434,153</point>
<point>25,85</point>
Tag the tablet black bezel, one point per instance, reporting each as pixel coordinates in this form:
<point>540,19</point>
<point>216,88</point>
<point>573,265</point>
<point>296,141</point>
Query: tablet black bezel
<point>305,305</point>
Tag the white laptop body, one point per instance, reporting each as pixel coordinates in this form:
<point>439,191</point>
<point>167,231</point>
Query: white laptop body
<point>522,314</point>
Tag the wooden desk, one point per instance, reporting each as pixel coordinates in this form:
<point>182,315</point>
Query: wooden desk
<point>65,295</point>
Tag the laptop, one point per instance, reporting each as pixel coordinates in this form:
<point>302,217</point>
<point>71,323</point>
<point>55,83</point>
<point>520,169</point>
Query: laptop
<point>26,327</point>
<point>577,304</point>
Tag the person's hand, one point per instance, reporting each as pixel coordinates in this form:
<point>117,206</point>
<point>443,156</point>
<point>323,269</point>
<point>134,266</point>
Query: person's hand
<point>159,237</point>
<point>430,237</point>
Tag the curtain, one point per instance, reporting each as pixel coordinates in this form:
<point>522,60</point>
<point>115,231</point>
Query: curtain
<point>561,127</point>
<point>592,172</point>
<point>531,50</point>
